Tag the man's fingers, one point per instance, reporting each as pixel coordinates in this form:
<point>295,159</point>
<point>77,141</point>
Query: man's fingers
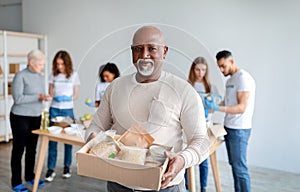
<point>170,155</point>
<point>167,178</point>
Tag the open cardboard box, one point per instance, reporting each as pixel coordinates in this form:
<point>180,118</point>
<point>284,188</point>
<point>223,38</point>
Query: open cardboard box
<point>122,172</point>
<point>215,132</point>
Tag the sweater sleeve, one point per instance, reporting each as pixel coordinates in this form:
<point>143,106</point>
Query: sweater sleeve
<point>194,125</point>
<point>18,91</point>
<point>102,119</point>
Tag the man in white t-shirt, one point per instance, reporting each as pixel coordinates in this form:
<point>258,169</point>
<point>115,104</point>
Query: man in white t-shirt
<point>238,106</point>
<point>163,104</point>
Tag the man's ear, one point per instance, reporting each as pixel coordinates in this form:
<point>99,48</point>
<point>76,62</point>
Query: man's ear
<point>231,60</point>
<point>165,51</point>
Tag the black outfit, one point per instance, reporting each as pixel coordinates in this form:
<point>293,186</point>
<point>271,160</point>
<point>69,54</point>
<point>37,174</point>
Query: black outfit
<point>23,138</point>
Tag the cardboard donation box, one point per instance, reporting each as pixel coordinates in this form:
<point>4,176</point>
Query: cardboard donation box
<point>9,88</point>
<point>16,67</point>
<point>215,133</point>
<point>122,162</point>
<point>119,171</point>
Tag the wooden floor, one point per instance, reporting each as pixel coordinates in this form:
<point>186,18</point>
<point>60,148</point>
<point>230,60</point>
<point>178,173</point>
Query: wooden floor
<point>262,180</point>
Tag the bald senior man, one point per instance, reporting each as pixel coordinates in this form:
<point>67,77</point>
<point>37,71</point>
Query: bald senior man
<point>163,104</point>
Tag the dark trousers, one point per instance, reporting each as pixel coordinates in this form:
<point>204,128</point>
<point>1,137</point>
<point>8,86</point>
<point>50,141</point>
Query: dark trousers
<point>115,187</point>
<point>23,139</point>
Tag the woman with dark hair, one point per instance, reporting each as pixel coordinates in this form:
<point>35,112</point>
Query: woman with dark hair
<point>198,78</point>
<point>107,73</point>
<point>63,86</point>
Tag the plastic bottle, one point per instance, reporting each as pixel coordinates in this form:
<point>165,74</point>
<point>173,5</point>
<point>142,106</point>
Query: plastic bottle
<point>45,117</point>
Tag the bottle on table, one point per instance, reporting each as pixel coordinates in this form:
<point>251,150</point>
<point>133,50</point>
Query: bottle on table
<point>45,117</point>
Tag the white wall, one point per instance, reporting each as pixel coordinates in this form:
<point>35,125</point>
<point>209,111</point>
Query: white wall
<point>11,15</point>
<point>263,36</point>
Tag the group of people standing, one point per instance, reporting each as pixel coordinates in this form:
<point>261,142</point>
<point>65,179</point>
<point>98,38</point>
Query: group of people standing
<point>29,93</point>
<point>183,110</point>
<point>238,107</point>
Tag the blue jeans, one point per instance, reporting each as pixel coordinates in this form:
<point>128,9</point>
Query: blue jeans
<point>203,173</point>
<point>52,148</point>
<point>236,142</point>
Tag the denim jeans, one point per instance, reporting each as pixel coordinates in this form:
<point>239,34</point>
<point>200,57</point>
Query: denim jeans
<point>203,174</point>
<point>52,148</point>
<point>236,142</point>
<point>115,187</point>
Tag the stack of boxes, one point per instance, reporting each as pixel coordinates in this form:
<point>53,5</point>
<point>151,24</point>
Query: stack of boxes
<point>13,69</point>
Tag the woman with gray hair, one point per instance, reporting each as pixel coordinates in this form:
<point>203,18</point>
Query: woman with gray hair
<point>28,91</point>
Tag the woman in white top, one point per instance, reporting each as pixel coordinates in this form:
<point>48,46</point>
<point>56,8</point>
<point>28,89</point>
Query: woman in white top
<point>107,73</point>
<point>63,86</point>
<point>198,78</point>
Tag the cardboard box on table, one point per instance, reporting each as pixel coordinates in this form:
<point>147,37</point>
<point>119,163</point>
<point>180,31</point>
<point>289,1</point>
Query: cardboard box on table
<point>215,133</point>
<point>119,171</point>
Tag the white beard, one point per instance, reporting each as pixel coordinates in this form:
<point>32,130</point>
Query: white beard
<point>145,70</point>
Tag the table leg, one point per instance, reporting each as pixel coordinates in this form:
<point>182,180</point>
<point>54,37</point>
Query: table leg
<point>191,179</point>
<point>39,167</point>
<point>214,166</point>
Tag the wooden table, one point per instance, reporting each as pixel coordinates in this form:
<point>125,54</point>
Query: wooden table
<point>214,166</point>
<point>45,138</point>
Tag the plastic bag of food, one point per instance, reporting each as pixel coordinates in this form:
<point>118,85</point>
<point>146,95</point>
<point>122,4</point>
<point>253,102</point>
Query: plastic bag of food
<point>132,154</point>
<point>104,149</point>
<point>154,161</point>
<point>156,155</point>
<point>136,136</point>
<point>100,137</point>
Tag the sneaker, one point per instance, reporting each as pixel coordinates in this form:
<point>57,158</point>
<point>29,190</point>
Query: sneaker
<point>50,175</point>
<point>67,173</point>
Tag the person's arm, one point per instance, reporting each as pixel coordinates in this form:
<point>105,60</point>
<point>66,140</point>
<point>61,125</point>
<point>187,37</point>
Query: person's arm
<point>242,98</point>
<point>51,87</point>
<point>193,122</point>
<point>102,120</point>
<point>76,86</point>
<point>75,92</point>
<point>194,125</point>
<point>18,92</point>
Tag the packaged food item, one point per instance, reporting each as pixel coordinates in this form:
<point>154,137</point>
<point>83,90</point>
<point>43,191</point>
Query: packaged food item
<point>157,150</point>
<point>104,149</point>
<point>136,136</point>
<point>156,155</point>
<point>154,161</point>
<point>132,154</point>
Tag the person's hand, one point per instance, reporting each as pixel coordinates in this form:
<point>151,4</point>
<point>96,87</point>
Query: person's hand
<point>210,104</point>
<point>95,138</point>
<point>62,98</point>
<point>41,96</point>
<point>89,103</point>
<point>176,164</point>
<point>48,98</point>
<point>44,97</point>
<point>91,136</point>
<point>206,111</point>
